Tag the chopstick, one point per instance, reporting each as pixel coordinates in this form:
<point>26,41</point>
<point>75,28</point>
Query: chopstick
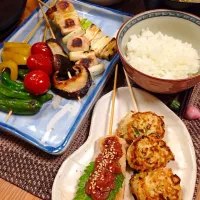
<point>113,101</point>
<point>131,91</point>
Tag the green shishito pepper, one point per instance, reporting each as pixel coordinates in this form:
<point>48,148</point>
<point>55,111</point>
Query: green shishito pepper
<point>9,93</point>
<point>6,91</point>
<point>22,73</point>
<point>20,106</point>
<point>15,85</point>
<point>44,98</point>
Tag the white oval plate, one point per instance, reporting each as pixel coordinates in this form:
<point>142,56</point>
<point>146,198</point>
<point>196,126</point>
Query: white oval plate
<point>177,138</point>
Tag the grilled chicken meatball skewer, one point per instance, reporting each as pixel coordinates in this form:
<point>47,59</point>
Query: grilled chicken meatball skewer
<point>146,153</point>
<point>135,125</point>
<point>156,185</point>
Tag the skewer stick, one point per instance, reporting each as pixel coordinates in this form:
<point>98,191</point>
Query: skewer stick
<point>69,74</point>
<point>47,21</point>
<point>131,91</point>
<point>45,33</point>
<point>113,100</point>
<point>8,116</point>
<point>44,4</point>
<point>33,31</point>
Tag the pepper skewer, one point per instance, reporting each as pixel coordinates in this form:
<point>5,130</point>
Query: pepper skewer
<point>30,35</point>
<point>113,101</point>
<point>26,40</point>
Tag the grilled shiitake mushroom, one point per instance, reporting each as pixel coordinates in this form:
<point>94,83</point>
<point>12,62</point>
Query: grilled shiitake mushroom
<point>55,47</point>
<point>61,61</point>
<point>62,64</point>
<point>74,87</point>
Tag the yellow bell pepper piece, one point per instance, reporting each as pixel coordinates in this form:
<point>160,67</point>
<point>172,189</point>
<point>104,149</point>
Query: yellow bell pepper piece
<point>16,44</point>
<point>20,50</point>
<point>17,58</point>
<point>13,69</point>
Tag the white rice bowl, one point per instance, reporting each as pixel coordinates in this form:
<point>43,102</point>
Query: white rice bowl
<point>162,56</point>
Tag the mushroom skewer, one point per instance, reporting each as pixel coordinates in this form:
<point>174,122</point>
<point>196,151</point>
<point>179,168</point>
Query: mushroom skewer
<point>53,36</point>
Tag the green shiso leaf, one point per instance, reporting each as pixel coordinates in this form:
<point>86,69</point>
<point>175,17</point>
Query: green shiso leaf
<point>81,195</point>
<point>119,179</point>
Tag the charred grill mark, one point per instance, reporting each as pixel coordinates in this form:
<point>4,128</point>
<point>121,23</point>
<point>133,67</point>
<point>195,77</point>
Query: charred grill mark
<point>63,4</point>
<point>77,42</point>
<point>69,23</point>
<point>86,62</point>
<point>51,10</point>
<point>175,179</point>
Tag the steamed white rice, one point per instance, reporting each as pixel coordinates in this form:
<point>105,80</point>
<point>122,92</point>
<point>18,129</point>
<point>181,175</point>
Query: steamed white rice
<point>162,56</point>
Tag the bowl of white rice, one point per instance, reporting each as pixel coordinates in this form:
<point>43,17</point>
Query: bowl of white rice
<point>160,50</point>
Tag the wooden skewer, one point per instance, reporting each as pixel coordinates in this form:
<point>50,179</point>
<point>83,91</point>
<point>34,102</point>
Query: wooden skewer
<point>45,33</point>
<point>44,4</point>
<point>30,35</point>
<point>69,74</point>
<point>47,21</point>
<point>8,115</point>
<point>131,91</point>
<point>113,100</point>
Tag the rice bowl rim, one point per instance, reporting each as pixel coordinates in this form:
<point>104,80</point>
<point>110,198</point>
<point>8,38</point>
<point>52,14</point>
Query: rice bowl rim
<point>126,27</point>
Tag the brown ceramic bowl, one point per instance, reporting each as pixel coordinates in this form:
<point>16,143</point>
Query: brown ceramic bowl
<point>177,24</point>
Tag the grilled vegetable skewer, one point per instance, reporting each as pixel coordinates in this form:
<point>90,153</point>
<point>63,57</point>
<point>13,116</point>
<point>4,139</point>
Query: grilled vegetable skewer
<point>68,80</point>
<point>80,35</point>
<point>22,49</point>
<point>148,154</point>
